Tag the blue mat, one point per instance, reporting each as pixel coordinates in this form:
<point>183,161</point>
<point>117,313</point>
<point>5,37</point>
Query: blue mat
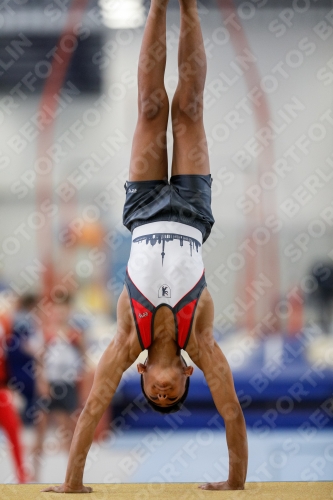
<point>284,390</point>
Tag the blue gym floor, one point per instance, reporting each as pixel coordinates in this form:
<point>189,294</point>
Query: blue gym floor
<point>158,455</point>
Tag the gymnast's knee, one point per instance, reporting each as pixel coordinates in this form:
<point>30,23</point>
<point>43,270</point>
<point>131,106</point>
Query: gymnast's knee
<point>153,104</point>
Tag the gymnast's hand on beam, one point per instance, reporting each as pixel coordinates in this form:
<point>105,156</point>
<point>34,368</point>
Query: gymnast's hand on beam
<point>220,486</point>
<point>64,488</point>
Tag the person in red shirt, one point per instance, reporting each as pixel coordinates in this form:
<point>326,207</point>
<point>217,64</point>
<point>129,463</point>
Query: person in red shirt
<point>9,419</point>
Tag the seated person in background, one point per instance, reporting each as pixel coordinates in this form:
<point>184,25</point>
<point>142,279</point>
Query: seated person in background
<point>323,295</point>
<point>23,356</point>
<point>63,362</point>
<point>25,364</point>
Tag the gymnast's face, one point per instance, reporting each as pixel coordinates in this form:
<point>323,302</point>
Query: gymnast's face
<point>164,386</point>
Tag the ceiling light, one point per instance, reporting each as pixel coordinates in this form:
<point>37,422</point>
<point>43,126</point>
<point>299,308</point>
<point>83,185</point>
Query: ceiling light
<point>122,14</point>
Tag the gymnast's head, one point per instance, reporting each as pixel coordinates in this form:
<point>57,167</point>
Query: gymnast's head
<point>165,387</point>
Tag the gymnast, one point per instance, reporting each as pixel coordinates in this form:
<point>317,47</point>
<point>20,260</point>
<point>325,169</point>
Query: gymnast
<point>165,305</point>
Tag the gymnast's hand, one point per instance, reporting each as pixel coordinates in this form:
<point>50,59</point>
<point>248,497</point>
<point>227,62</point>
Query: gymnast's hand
<point>64,488</point>
<point>220,486</point>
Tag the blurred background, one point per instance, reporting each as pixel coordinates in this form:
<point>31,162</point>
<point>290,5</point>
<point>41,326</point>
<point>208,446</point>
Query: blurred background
<point>67,115</point>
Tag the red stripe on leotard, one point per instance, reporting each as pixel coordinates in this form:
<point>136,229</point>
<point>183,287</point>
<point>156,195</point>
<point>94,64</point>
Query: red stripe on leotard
<point>143,319</point>
<point>184,320</point>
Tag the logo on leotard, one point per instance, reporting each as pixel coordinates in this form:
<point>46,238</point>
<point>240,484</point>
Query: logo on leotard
<point>164,291</point>
<point>163,238</point>
<point>143,315</point>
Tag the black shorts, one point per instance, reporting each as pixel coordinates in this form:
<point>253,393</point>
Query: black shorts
<point>187,199</point>
<point>63,396</point>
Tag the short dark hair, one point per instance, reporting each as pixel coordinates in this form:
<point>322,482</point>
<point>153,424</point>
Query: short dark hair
<point>28,301</point>
<point>172,408</point>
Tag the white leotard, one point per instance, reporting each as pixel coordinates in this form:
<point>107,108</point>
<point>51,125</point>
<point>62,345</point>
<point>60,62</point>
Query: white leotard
<point>165,261</point>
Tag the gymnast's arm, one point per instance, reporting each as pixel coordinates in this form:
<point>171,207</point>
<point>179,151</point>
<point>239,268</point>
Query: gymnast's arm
<point>215,367</point>
<point>118,356</point>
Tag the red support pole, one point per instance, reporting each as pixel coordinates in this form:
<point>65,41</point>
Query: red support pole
<point>266,260</point>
